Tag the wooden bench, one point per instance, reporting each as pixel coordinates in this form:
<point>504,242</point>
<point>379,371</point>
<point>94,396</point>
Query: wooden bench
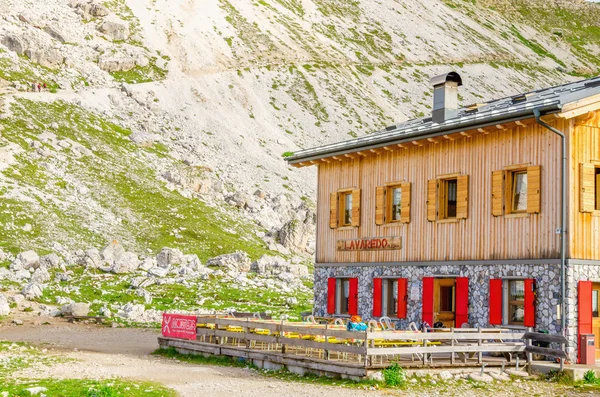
<point>98,319</point>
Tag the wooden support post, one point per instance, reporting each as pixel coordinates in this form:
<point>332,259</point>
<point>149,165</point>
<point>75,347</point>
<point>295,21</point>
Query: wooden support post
<point>246,331</point>
<point>562,360</point>
<point>326,343</point>
<point>528,344</point>
<point>452,344</point>
<point>282,337</point>
<point>425,354</point>
<point>480,354</point>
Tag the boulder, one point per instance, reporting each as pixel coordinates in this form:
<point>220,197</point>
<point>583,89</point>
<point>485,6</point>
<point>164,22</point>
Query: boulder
<point>112,252</point>
<point>13,43</point>
<point>18,298</point>
<point>55,33</point>
<point>50,261</point>
<point>33,291</point>
<point>22,274</point>
<point>145,294</point>
<point>49,57</point>
<point>269,265</point>
<point>98,10</point>
<point>478,377</point>
<point>40,275</point>
<point>115,29</point>
<point>295,234</point>
<point>239,261</point>
<point>113,63</point>
<point>34,391</point>
<point>5,274</point>
<point>132,312</point>
<point>4,306</point>
<point>147,264</point>
<point>126,263</point>
<point>28,260</point>
<point>76,309</point>
<point>158,271</point>
<point>91,258</point>
<point>170,256</point>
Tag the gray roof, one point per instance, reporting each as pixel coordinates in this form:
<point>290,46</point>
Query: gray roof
<point>517,107</point>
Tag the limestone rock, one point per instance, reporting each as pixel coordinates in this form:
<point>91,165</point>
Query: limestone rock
<point>40,275</point>
<point>146,295</point>
<point>239,261</point>
<point>33,291</point>
<point>158,271</point>
<point>295,234</point>
<point>445,375</point>
<point>170,256</point>
<point>112,252</point>
<point>55,33</point>
<point>50,57</point>
<point>5,274</point>
<point>115,29</point>
<point>125,263</point>
<point>28,260</point>
<point>4,306</point>
<point>34,391</point>
<point>13,43</point>
<point>114,63</point>
<point>50,261</point>
<point>478,377</point>
<point>269,265</point>
<point>98,10</point>
<point>76,309</point>
<point>147,264</point>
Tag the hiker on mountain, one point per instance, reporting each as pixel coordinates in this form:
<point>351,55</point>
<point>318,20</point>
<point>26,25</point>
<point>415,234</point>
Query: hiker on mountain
<point>33,86</point>
<point>39,87</point>
<point>45,87</point>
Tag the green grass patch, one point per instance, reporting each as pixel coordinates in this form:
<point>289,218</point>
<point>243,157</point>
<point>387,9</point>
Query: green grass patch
<point>87,388</point>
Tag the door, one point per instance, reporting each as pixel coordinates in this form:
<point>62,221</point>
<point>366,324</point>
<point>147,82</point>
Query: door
<point>596,316</point>
<point>444,303</point>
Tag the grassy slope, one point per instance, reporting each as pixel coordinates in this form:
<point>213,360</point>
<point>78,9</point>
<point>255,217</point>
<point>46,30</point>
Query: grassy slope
<point>120,184</point>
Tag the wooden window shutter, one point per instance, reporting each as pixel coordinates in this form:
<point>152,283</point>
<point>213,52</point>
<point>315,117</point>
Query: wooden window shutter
<point>587,200</point>
<point>331,295</point>
<point>333,210</point>
<point>356,207</point>
<point>534,189</point>
<point>495,301</point>
<point>402,297</point>
<point>427,311</point>
<point>462,301</point>
<point>377,297</point>
<point>529,320</point>
<point>380,205</point>
<point>462,197</point>
<point>405,212</point>
<point>353,297</point>
<point>497,190</point>
<point>584,310</point>
<point>432,200</point>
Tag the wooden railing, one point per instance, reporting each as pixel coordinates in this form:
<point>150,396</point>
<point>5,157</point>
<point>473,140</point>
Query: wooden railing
<point>532,337</point>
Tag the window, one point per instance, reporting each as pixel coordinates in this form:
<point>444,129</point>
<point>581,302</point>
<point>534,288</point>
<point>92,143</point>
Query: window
<point>595,303</point>
<point>516,190</point>
<point>516,302</point>
<point>448,197</point>
<point>389,298</point>
<point>589,184</point>
<point>342,296</point>
<point>512,302</point>
<point>396,203</point>
<point>344,208</point>
<point>392,203</point>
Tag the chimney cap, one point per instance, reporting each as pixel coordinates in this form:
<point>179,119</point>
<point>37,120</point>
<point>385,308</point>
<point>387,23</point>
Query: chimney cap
<point>446,77</point>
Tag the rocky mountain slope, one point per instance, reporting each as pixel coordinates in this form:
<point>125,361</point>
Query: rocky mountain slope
<point>164,123</point>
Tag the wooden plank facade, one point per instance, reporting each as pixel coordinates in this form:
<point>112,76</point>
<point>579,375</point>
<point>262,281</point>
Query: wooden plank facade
<point>481,236</point>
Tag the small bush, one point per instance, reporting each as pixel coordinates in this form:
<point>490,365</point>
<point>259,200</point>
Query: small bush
<point>394,375</point>
<point>590,377</point>
<point>287,154</point>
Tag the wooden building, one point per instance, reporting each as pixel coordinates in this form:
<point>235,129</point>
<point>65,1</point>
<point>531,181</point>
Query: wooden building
<point>459,218</point>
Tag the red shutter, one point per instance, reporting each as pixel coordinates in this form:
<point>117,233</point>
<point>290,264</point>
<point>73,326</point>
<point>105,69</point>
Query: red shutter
<point>376,297</point>
<point>331,295</point>
<point>462,301</point>
<point>495,301</point>
<point>529,320</point>
<point>584,311</point>
<point>402,297</point>
<point>353,297</point>
<point>427,315</point>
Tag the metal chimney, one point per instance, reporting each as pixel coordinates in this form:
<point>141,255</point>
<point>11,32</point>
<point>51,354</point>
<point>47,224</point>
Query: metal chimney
<point>445,96</point>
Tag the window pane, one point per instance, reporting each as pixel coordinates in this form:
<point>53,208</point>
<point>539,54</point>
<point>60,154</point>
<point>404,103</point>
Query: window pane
<point>520,191</point>
<point>345,295</point>
<point>595,303</point>
<point>396,203</point>
<point>451,186</point>
<point>348,209</point>
<point>517,313</point>
<point>447,299</point>
<point>517,290</point>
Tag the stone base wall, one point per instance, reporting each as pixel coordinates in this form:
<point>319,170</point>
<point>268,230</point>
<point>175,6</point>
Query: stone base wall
<point>547,280</point>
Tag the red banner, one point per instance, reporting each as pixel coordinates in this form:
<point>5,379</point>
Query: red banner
<point>179,326</point>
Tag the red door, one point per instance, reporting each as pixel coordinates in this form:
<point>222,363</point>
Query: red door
<point>584,311</point>
<point>353,297</point>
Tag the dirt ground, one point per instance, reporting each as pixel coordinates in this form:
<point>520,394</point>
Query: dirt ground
<point>104,352</point>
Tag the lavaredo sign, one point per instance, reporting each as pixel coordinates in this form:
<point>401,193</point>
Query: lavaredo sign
<point>370,244</point>
<point>179,326</point>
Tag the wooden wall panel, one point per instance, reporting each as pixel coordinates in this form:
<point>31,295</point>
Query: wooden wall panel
<point>584,147</point>
<point>480,236</point>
